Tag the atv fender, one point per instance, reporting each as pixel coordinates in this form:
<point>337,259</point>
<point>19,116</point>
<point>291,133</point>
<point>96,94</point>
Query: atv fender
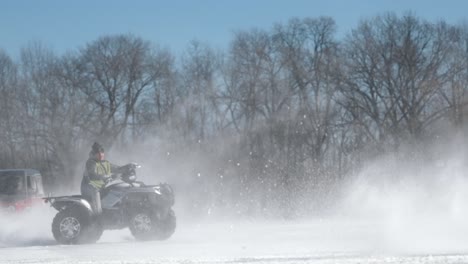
<point>64,202</point>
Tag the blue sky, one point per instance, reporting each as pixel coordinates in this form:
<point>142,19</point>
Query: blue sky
<point>67,25</point>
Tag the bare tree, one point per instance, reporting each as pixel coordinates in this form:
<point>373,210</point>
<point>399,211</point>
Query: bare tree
<point>9,106</point>
<point>453,93</point>
<point>311,53</point>
<point>395,70</point>
<point>311,56</point>
<point>55,111</point>
<point>118,70</point>
<point>199,77</point>
<point>157,106</point>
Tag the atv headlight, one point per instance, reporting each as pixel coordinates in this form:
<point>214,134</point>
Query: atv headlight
<point>157,190</point>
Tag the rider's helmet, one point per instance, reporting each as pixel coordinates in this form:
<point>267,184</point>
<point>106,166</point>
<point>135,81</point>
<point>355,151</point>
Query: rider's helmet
<point>97,148</point>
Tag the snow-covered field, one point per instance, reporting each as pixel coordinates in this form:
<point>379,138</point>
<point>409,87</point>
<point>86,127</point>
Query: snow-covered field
<point>27,239</point>
<point>421,216</point>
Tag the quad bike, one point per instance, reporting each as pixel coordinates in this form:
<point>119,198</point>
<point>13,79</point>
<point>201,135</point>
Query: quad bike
<point>144,209</point>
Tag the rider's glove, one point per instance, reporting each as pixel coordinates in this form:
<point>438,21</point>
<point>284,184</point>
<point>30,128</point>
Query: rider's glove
<point>107,178</point>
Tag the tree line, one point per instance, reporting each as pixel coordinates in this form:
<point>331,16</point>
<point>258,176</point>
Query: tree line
<point>285,113</point>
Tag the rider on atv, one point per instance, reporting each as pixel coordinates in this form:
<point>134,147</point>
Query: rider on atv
<point>145,209</point>
<point>97,172</point>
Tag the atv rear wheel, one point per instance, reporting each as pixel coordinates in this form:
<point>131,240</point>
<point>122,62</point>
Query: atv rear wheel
<point>73,226</point>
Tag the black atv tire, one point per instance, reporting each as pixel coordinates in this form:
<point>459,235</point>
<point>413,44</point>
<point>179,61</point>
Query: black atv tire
<point>77,222</point>
<point>144,225</point>
<point>166,227</point>
<point>94,233</point>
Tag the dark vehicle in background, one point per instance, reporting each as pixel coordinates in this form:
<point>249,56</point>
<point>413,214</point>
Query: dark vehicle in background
<point>145,209</point>
<point>20,190</point>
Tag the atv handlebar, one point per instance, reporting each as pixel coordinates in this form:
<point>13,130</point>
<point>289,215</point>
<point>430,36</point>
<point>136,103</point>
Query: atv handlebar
<point>126,173</point>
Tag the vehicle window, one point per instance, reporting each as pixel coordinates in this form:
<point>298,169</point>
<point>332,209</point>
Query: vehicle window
<point>11,182</point>
<point>32,185</point>
<point>40,188</point>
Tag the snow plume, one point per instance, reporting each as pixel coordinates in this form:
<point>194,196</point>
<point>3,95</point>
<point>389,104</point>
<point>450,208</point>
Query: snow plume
<point>416,202</point>
<point>195,172</point>
<point>29,228</point>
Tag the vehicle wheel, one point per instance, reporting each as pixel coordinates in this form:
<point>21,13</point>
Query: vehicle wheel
<point>145,226</point>
<point>141,224</point>
<point>166,227</point>
<point>94,233</point>
<point>72,226</point>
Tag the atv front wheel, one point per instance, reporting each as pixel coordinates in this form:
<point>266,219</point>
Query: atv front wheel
<point>146,226</point>
<point>141,225</point>
<point>166,227</point>
<point>94,233</point>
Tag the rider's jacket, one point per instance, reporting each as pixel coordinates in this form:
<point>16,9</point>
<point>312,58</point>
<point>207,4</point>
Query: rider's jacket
<point>96,172</point>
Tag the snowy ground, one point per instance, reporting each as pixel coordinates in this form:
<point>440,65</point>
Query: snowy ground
<point>329,240</point>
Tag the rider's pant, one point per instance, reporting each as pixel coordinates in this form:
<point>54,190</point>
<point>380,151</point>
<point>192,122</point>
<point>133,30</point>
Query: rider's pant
<point>92,194</point>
